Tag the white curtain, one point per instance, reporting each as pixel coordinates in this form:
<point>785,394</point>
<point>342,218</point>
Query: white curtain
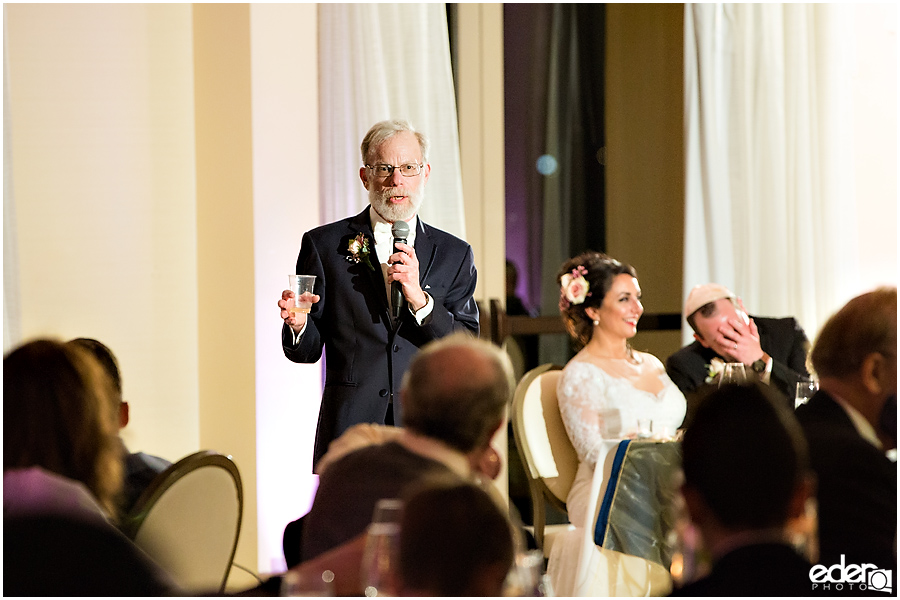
<point>384,61</point>
<point>769,200</point>
<point>12,326</point>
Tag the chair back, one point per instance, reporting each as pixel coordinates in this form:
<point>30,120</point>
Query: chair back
<point>189,519</point>
<point>545,449</point>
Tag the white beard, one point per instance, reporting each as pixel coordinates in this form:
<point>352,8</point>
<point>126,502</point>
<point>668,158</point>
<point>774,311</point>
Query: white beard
<point>391,212</point>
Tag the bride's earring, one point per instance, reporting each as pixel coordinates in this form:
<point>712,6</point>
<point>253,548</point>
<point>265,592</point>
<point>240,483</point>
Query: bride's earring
<point>596,322</point>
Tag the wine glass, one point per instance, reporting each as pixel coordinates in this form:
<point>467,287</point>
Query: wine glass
<point>733,373</point>
<point>382,546</point>
<point>526,577</point>
<point>805,391</point>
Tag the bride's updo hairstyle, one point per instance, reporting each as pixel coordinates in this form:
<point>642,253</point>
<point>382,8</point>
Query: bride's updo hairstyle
<point>584,282</point>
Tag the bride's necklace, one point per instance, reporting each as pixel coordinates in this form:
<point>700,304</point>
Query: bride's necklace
<point>628,359</point>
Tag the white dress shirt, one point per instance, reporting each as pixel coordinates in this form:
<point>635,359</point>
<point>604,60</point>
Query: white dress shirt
<point>384,247</point>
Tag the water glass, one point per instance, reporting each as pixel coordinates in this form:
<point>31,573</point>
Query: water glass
<point>645,428</point>
<point>527,577</point>
<point>733,373</point>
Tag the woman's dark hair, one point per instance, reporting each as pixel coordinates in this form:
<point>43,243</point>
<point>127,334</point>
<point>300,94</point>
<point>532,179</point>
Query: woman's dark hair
<point>599,270</point>
<point>58,415</point>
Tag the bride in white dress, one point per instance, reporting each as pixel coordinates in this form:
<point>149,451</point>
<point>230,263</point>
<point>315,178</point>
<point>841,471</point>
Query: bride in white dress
<point>603,391</point>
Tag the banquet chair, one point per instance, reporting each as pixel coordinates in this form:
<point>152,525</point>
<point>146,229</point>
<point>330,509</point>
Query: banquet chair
<point>548,456</point>
<point>189,519</point>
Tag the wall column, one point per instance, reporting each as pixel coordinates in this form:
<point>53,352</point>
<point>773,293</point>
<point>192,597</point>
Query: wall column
<point>225,281</point>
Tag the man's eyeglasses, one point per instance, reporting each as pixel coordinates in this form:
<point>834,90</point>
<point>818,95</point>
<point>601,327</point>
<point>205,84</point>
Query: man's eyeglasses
<point>407,170</point>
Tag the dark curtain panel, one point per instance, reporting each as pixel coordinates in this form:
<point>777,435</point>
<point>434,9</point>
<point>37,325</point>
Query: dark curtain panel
<point>555,207</point>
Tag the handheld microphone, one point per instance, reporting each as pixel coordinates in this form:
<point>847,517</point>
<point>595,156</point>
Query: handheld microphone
<point>400,231</point>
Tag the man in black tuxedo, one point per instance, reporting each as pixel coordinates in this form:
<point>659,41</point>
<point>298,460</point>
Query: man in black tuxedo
<point>855,358</point>
<point>746,479</point>
<point>775,349</point>
<point>355,262</point>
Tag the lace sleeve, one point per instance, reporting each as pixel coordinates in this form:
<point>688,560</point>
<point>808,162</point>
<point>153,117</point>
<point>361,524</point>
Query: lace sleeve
<point>585,409</point>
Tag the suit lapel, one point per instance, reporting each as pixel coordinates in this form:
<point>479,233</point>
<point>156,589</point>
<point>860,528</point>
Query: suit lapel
<point>425,252</point>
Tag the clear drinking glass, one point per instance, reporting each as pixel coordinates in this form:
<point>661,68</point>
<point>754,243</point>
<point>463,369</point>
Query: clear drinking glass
<point>733,373</point>
<point>300,285</point>
<point>645,428</point>
<point>381,551</point>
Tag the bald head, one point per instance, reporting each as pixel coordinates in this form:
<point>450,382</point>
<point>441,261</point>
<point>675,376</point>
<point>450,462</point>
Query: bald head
<point>456,390</point>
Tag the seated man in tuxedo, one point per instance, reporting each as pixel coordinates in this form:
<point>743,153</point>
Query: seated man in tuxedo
<point>746,476</point>
<point>855,359</point>
<point>376,302</point>
<point>775,349</point>
<point>140,468</point>
<point>454,397</point>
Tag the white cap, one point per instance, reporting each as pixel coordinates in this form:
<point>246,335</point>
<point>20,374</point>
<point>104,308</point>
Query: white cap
<point>704,294</point>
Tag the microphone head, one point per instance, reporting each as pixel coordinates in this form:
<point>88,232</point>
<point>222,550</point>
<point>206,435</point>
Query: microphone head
<point>400,229</point>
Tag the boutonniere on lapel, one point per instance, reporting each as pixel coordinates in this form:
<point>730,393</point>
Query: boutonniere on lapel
<point>714,369</point>
<point>359,250</point>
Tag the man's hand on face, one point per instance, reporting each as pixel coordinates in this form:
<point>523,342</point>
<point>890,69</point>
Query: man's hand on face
<point>738,341</point>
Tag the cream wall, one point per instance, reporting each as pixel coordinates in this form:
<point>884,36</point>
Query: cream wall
<point>284,70</point>
<point>102,127</point>
<point>157,154</point>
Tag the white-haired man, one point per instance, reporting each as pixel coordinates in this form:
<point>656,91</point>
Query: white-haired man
<point>775,349</point>
<point>355,262</point>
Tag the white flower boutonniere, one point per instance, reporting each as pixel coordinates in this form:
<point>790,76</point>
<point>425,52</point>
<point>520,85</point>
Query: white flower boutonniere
<point>714,369</point>
<point>359,250</point>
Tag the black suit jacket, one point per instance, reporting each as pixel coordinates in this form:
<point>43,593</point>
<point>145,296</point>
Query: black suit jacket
<point>782,339</point>
<point>365,354</point>
<point>757,570</point>
<point>857,487</point>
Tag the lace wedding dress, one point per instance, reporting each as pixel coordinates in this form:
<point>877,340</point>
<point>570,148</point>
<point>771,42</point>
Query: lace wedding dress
<point>596,407</point>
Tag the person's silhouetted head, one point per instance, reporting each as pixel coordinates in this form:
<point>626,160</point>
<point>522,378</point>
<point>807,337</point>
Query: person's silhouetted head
<point>456,390</point>
<point>108,361</point>
<point>58,415</point>
<point>454,541</point>
<point>745,460</point>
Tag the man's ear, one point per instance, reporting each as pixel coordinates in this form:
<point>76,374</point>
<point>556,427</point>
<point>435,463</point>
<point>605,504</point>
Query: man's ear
<point>803,491</point>
<point>872,373</point>
<point>124,414</point>
<point>701,340</point>
<point>363,176</point>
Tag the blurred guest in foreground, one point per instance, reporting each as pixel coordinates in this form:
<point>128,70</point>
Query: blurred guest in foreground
<point>61,478</point>
<point>454,541</point>
<point>746,477</point>
<point>140,468</point>
<point>58,422</point>
<point>775,349</point>
<point>454,396</point>
<point>603,392</point>
<point>855,359</point>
